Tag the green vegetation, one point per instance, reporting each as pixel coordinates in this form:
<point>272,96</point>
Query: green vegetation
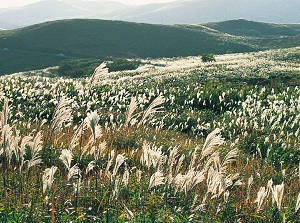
<point>121,64</point>
<point>85,67</point>
<point>177,140</point>
<point>243,27</point>
<point>208,58</point>
<point>50,43</point>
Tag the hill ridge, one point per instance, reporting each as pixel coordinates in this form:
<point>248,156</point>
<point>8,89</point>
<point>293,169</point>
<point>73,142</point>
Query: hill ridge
<point>47,44</point>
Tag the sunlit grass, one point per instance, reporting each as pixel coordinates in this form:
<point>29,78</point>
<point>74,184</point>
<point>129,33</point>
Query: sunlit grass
<point>160,147</point>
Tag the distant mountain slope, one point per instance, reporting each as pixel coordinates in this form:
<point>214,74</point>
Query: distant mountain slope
<point>101,39</point>
<point>176,12</point>
<point>50,10</point>
<point>203,11</point>
<point>243,27</point>
<point>47,44</point>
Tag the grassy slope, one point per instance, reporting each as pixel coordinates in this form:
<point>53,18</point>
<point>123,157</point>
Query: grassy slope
<point>38,46</point>
<point>243,27</point>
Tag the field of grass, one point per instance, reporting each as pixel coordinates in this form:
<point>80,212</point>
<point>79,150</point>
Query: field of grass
<point>43,45</point>
<point>176,140</point>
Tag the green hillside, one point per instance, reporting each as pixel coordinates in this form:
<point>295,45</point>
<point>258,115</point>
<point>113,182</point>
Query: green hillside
<point>243,27</point>
<point>48,44</point>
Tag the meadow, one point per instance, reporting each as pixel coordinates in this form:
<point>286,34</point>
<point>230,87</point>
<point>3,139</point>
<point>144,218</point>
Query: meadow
<point>175,140</point>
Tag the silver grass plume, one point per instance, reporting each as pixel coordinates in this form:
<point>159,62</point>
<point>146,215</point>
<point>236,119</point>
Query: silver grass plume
<point>191,179</point>
<point>226,196</point>
<point>11,141</point>
<point>250,182</point>
<point>62,115</point>
<point>213,139</point>
<point>66,157</point>
<point>152,156</point>
<point>4,113</point>
<point>110,161</point>
<point>119,161</point>
<point>92,122</point>
<point>35,147</point>
<point>125,178</point>
<point>129,213</point>
<point>90,167</point>
<point>14,145</point>
<point>230,157</point>
<point>129,113</point>
<point>48,177</point>
<point>74,172</point>
<point>179,163</point>
<point>138,175</point>
<point>261,195</point>
<point>77,186</point>
<point>156,179</point>
<point>297,203</point>
<point>99,72</point>
<point>7,135</point>
<point>277,194</point>
<point>25,142</point>
<point>78,133</point>
<point>171,162</point>
<point>152,109</point>
<point>117,184</point>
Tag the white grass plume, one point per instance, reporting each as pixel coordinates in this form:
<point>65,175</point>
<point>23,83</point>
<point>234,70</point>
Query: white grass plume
<point>191,179</point>
<point>99,72</point>
<point>250,182</point>
<point>261,195</point>
<point>129,113</point>
<point>26,141</point>
<point>66,157</point>
<point>92,119</point>
<point>110,161</point>
<point>277,194</point>
<point>90,167</point>
<point>213,139</point>
<point>151,156</point>
<point>78,133</point>
<point>7,135</point>
<point>129,213</point>
<point>152,109</point>
<point>48,177</point>
<point>297,203</point>
<point>156,179</point>
<point>119,161</point>
<point>62,115</point>
<point>4,113</point>
<point>74,172</point>
<point>35,147</point>
<point>125,178</point>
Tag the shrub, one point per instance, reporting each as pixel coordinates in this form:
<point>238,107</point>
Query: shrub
<point>208,57</point>
<point>120,64</point>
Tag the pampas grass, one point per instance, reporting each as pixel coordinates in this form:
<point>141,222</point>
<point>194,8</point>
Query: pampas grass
<point>48,178</point>
<point>62,116</point>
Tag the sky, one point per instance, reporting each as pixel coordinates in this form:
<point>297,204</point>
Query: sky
<point>16,3</point>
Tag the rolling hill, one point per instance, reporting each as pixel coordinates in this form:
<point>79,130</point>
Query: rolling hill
<point>175,12</point>
<point>242,27</point>
<point>48,44</point>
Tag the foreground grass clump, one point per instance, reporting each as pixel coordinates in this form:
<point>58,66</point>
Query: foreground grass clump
<point>129,147</point>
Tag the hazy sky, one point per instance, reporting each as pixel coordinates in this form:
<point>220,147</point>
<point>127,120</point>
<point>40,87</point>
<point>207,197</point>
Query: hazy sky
<point>12,3</point>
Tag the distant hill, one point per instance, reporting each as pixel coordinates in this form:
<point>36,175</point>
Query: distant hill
<point>243,27</point>
<point>48,44</point>
<point>175,12</point>
<point>203,11</point>
<point>50,10</point>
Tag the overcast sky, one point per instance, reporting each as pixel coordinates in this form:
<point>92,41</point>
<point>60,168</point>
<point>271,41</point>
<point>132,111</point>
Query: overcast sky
<point>13,3</point>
